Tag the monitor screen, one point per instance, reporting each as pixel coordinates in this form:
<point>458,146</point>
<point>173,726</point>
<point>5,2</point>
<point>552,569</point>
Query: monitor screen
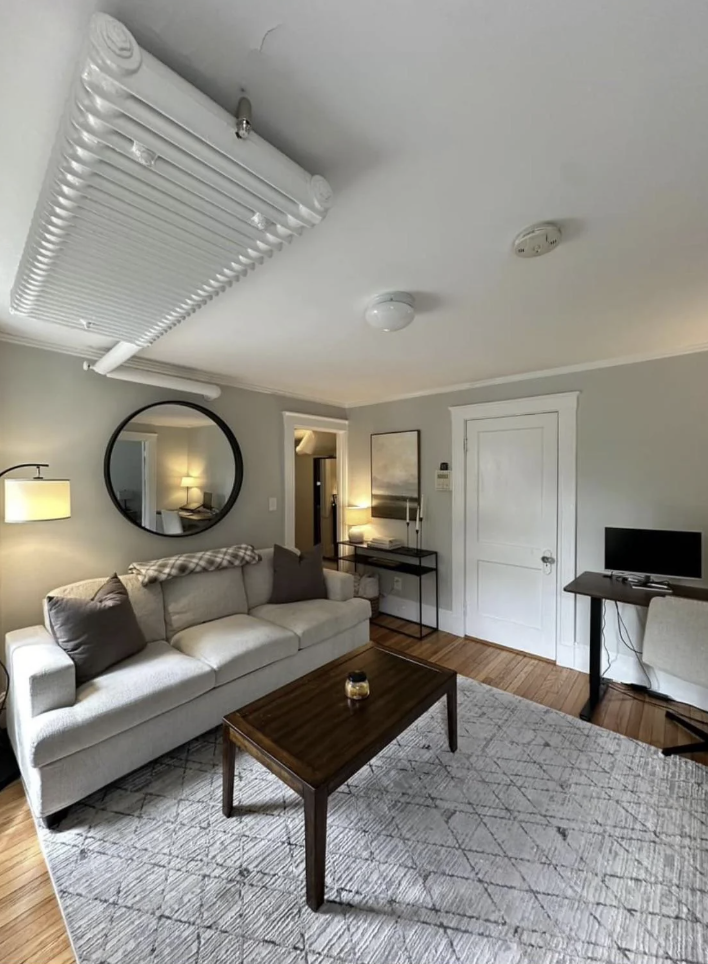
<point>207,500</point>
<point>655,552</point>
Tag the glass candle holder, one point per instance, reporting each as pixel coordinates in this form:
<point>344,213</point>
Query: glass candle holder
<point>357,685</point>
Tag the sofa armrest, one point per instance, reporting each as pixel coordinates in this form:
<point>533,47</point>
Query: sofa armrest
<point>340,585</point>
<point>42,676</point>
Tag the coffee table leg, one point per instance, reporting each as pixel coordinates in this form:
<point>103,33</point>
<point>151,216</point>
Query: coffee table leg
<point>228,756</point>
<point>315,845</point>
<point>452,714</point>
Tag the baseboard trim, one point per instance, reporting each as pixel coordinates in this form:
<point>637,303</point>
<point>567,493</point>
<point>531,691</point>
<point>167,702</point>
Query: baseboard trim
<point>408,609</point>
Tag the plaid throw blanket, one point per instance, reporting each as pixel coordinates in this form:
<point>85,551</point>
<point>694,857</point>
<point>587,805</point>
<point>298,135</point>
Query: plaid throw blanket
<point>160,570</point>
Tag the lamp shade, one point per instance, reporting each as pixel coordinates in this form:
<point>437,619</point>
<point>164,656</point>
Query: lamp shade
<point>357,515</point>
<point>37,500</point>
<point>188,481</point>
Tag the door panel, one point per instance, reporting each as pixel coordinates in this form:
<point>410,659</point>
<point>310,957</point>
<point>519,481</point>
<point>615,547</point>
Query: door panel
<point>512,520</point>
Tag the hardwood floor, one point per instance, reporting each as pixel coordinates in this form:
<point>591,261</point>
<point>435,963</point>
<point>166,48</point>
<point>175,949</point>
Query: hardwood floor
<point>31,927</point>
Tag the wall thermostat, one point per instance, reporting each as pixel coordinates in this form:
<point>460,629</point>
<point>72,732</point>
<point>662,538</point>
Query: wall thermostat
<point>443,478</point>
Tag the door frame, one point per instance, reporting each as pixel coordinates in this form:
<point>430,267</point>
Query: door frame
<point>315,423</point>
<point>565,405</point>
<point>149,453</point>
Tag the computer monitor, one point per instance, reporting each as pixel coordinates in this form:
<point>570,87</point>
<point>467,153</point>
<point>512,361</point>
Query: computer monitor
<point>655,552</point>
<point>207,501</point>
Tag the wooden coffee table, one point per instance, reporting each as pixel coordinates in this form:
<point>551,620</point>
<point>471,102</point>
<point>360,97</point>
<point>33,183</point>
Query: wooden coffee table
<point>313,738</point>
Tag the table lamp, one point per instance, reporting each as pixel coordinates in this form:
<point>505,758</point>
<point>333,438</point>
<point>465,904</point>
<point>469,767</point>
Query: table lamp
<point>29,500</point>
<point>189,482</point>
<point>356,516</point>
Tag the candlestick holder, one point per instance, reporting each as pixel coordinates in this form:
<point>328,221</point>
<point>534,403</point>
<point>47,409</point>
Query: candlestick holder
<point>408,526</point>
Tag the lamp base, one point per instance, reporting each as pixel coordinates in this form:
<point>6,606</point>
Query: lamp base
<point>8,765</point>
<point>356,535</point>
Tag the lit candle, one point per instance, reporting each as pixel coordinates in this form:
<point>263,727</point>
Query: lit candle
<point>408,517</point>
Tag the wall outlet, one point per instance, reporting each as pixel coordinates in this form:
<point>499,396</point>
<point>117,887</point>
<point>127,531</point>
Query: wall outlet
<point>397,584</point>
<point>272,504</point>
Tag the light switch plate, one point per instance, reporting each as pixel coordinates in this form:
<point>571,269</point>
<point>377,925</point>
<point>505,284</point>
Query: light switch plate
<point>272,504</point>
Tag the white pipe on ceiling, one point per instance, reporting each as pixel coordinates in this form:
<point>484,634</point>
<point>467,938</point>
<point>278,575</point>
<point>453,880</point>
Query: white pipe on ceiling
<point>174,382</point>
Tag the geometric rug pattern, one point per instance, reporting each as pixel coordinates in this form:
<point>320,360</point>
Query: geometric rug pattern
<point>543,840</point>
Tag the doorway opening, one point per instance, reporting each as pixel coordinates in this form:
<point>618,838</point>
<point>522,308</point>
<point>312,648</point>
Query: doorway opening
<point>134,476</point>
<point>316,497</point>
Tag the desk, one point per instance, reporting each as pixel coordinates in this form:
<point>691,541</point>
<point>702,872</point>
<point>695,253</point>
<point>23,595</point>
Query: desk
<point>601,588</point>
<point>197,515</point>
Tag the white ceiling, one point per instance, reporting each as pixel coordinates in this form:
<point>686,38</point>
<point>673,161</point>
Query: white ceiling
<point>444,129</point>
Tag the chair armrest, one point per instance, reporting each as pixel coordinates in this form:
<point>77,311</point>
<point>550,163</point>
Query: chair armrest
<point>340,585</point>
<point>42,676</point>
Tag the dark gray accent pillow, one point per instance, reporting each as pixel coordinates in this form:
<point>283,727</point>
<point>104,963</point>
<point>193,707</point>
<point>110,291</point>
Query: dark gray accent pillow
<point>98,632</point>
<point>297,576</point>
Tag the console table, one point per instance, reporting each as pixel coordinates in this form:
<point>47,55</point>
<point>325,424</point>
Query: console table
<point>404,560</point>
<point>600,587</point>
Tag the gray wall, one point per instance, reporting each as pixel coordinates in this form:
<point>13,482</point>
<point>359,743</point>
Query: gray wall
<point>53,411</point>
<point>642,452</point>
<point>211,460</point>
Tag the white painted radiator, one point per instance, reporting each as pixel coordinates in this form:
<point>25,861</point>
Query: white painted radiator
<point>151,205</point>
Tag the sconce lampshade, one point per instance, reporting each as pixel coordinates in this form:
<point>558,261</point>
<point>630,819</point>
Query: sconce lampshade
<point>37,500</point>
<point>357,515</point>
<point>188,481</point>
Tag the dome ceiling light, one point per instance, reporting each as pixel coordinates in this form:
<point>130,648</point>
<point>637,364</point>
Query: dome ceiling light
<point>391,311</point>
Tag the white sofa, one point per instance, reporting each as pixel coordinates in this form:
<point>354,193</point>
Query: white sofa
<point>214,643</point>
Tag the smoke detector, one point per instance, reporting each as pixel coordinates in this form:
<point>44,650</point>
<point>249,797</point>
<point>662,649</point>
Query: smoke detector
<point>537,240</point>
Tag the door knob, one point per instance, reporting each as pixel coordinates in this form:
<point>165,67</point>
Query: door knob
<point>547,560</point>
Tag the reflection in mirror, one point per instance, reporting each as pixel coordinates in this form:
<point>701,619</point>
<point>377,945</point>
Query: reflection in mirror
<point>174,468</point>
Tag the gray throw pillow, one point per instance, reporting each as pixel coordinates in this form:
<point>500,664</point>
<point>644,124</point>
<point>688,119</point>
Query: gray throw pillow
<point>98,632</point>
<point>297,576</point>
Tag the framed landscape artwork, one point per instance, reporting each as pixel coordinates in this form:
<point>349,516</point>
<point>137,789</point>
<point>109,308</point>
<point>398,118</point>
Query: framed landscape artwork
<point>395,474</point>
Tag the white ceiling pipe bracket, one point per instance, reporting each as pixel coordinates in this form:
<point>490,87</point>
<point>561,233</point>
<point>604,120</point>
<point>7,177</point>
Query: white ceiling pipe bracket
<point>119,354</point>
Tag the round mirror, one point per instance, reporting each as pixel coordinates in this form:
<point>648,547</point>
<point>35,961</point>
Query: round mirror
<point>173,468</point>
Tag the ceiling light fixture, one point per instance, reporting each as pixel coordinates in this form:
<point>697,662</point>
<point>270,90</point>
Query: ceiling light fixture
<point>391,311</point>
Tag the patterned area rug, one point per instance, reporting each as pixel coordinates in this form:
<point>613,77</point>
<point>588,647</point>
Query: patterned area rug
<point>543,839</point>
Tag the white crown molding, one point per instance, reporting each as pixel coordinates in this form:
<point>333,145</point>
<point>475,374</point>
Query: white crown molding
<point>148,364</point>
<point>530,376</point>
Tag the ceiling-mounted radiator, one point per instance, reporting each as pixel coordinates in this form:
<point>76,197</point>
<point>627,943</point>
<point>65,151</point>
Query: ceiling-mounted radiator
<point>151,205</point>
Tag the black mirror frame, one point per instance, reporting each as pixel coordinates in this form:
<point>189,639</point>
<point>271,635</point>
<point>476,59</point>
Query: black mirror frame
<point>238,468</point>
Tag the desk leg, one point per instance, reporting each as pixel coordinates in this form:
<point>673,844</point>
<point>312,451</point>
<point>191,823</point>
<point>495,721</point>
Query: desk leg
<point>597,683</point>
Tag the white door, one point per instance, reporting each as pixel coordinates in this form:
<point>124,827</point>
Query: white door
<point>511,528</point>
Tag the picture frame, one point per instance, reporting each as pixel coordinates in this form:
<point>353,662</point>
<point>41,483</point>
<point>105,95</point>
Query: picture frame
<point>395,474</point>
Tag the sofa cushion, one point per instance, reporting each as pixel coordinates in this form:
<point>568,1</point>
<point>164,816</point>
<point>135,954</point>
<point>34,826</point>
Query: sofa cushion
<point>203,596</point>
<point>297,575</point>
<point>236,645</point>
<point>96,633</point>
<point>146,602</point>
<point>258,579</point>
<point>315,620</point>
<point>144,686</point>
